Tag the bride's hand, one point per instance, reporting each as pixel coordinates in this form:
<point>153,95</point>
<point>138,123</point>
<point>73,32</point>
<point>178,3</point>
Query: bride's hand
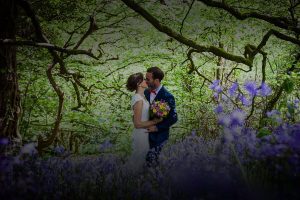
<point>157,120</point>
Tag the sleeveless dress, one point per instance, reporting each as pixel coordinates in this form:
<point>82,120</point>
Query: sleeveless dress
<point>140,140</point>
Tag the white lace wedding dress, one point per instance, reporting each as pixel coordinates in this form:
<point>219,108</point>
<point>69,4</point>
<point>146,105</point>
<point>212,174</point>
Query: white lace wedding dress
<point>140,141</point>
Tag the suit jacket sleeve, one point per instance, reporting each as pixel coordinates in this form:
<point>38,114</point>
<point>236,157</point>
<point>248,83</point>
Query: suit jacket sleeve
<point>172,117</point>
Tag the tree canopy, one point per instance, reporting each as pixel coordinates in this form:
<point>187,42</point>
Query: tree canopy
<point>81,53</point>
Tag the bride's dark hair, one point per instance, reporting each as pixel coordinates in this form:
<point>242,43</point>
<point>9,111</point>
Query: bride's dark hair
<point>133,81</point>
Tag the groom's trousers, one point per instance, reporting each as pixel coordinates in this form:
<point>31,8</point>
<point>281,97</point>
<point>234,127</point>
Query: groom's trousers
<point>152,156</point>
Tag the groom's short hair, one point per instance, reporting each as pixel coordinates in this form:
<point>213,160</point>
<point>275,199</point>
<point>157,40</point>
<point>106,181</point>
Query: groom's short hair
<point>157,73</point>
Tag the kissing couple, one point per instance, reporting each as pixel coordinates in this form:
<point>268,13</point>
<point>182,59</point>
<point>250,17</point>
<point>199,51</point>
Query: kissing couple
<point>150,133</point>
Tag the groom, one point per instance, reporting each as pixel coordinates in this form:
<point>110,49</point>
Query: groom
<point>159,133</point>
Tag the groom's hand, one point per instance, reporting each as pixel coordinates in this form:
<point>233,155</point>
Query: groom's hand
<point>152,129</point>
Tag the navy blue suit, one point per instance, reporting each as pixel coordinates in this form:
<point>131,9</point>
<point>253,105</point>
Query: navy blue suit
<point>157,139</point>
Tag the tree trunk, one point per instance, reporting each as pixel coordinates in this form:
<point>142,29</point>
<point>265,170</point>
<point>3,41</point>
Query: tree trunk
<point>9,89</point>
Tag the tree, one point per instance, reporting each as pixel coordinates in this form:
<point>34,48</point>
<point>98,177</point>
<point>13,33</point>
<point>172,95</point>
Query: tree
<point>10,97</point>
<point>10,108</point>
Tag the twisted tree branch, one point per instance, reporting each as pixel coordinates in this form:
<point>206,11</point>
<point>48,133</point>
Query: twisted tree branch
<point>281,22</point>
<point>57,59</point>
<point>46,46</point>
<point>165,29</point>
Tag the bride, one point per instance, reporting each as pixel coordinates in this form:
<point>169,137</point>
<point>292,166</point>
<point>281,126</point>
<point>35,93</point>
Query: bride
<point>140,107</point>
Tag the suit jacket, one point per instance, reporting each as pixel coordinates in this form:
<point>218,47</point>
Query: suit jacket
<point>157,138</point>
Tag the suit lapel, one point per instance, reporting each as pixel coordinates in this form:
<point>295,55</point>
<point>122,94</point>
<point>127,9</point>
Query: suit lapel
<point>159,94</point>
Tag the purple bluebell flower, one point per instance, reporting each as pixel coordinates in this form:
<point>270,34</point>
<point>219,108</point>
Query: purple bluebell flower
<point>59,150</point>
<point>250,87</point>
<point>193,132</point>
<point>283,138</point>
<point>295,131</point>
<point>228,136</point>
<point>295,137</point>
<point>214,84</point>
<point>244,100</point>
<point>237,118</point>
<point>267,150</point>
<point>233,88</point>
<point>29,149</point>
<point>273,113</point>
<point>105,145</point>
<point>216,95</point>
<point>218,109</point>
<point>265,90</point>
<point>218,89</point>
<point>280,149</point>
<point>278,119</point>
<point>225,98</point>
<point>4,141</point>
<point>224,120</point>
<point>296,103</point>
<point>294,160</point>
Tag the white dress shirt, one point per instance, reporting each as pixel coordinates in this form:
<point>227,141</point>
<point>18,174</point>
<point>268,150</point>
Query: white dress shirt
<point>152,95</point>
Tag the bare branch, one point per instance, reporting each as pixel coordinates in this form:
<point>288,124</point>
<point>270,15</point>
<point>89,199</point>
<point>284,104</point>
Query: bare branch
<point>278,35</point>
<point>45,143</point>
<point>165,29</point>
<point>43,42</point>
<point>182,23</point>
<point>281,22</point>
<point>31,14</point>
<point>67,43</point>
<point>193,68</point>
<point>93,27</point>
<point>270,105</point>
<point>79,103</point>
<point>237,68</point>
<point>47,46</point>
<point>123,67</point>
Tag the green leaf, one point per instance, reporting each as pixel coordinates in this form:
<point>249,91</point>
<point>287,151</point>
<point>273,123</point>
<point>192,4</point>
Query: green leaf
<point>263,132</point>
<point>291,109</point>
<point>288,85</point>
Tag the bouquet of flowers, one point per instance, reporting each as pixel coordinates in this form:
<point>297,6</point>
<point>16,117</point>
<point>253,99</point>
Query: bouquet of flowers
<point>159,109</point>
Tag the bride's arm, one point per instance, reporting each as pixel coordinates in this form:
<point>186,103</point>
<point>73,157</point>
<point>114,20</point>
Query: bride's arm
<point>137,116</point>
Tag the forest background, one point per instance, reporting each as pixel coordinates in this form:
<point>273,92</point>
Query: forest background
<point>73,59</point>
<point>65,114</point>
